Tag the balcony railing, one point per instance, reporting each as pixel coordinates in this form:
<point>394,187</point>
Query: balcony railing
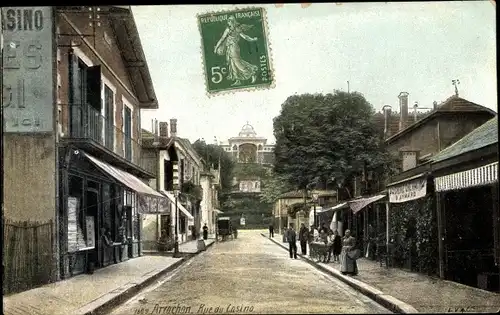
<point>86,122</point>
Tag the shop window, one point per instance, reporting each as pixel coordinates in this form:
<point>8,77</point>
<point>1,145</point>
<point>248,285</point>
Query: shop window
<point>76,224</point>
<point>129,200</point>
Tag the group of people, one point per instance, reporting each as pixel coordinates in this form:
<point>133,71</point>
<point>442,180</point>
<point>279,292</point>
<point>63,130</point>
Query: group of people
<point>342,249</point>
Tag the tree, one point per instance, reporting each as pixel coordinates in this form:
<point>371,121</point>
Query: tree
<point>211,154</point>
<point>324,137</point>
<point>273,187</point>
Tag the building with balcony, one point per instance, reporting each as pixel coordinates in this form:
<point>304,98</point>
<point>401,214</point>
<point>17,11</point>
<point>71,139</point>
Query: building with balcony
<point>103,83</point>
<point>247,147</point>
<point>178,170</point>
<point>79,147</point>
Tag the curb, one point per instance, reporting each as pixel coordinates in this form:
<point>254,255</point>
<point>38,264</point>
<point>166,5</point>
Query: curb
<point>378,296</point>
<point>119,295</point>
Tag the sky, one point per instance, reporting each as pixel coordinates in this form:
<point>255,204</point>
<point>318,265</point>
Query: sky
<point>380,48</point>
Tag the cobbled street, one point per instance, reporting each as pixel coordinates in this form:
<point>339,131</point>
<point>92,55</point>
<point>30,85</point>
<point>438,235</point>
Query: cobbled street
<point>247,275</point>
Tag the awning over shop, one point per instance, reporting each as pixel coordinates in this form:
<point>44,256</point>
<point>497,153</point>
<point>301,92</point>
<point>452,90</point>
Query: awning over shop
<point>336,207</point>
<point>171,197</point>
<point>483,175</point>
<point>359,204</point>
<point>408,189</point>
<point>148,201</point>
<point>218,211</point>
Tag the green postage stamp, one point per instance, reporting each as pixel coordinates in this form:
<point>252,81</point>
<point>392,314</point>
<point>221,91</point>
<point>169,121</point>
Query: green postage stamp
<point>235,50</point>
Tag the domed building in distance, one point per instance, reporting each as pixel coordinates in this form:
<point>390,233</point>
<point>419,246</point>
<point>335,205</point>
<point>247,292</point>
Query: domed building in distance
<point>247,147</point>
<point>252,154</point>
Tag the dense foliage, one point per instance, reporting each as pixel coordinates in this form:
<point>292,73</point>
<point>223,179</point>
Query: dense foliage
<point>211,154</point>
<point>273,187</point>
<point>324,138</point>
<point>413,231</point>
<point>250,171</point>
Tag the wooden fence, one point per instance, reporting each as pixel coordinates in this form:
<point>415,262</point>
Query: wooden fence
<point>27,255</point>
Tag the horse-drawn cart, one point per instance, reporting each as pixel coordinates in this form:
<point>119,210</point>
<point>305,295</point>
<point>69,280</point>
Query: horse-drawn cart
<point>224,228</point>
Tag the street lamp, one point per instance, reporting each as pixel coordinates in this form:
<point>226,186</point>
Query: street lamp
<point>176,243</point>
<point>315,199</point>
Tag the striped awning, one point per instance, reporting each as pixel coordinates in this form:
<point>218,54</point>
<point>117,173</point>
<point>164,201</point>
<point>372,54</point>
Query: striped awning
<point>359,204</point>
<point>479,176</point>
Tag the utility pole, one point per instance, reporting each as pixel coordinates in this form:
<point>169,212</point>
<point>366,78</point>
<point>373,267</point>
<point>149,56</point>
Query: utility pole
<point>348,90</point>
<point>176,244</point>
<point>1,146</point>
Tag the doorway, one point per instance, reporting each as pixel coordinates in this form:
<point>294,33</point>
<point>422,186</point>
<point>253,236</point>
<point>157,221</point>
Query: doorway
<point>469,234</point>
<point>91,223</point>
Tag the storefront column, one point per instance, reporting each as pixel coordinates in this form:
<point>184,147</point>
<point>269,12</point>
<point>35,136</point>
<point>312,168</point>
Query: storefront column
<point>439,215</point>
<point>387,238</point>
<point>496,225</point>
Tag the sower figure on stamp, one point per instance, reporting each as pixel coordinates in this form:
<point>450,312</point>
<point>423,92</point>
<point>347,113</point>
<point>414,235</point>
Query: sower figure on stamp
<point>292,241</point>
<point>238,69</point>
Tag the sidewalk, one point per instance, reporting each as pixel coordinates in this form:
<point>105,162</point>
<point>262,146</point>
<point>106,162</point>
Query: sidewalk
<point>409,292</point>
<point>87,294</point>
<point>189,247</point>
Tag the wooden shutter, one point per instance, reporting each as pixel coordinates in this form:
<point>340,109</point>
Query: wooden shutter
<point>93,103</point>
<point>75,96</point>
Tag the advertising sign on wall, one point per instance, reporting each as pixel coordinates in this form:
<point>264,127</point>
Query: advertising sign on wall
<point>28,76</point>
<point>411,190</point>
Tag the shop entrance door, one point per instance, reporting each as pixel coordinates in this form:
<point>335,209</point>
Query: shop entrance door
<point>92,223</point>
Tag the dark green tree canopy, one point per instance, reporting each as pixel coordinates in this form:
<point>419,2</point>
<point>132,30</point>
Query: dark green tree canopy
<point>321,137</point>
<point>210,153</point>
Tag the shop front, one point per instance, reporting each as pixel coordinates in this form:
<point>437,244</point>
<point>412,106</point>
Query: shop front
<point>185,218</point>
<point>100,210</point>
<point>412,228</point>
<point>469,217</point>
<point>365,216</point>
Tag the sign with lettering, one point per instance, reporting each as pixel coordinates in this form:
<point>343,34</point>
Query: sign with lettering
<point>28,76</point>
<point>411,190</point>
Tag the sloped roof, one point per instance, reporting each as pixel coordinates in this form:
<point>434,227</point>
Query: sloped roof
<point>482,136</point>
<point>453,104</point>
<point>300,194</point>
<point>148,139</point>
<point>379,120</point>
<point>292,194</point>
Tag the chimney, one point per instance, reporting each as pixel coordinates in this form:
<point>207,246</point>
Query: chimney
<point>387,120</point>
<point>403,108</point>
<point>173,127</point>
<point>163,129</point>
<point>435,104</point>
<point>415,111</point>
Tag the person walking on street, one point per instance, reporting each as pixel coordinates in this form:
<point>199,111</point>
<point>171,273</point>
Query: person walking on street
<point>292,241</point>
<point>205,232</point>
<point>271,230</point>
<point>337,245</point>
<point>330,245</point>
<point>303,238</point>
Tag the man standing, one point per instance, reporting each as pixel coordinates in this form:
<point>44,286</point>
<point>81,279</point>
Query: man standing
<point>205,232</point>
<point>292,241</point>
<point>303,238</point>
<point>271,230</point>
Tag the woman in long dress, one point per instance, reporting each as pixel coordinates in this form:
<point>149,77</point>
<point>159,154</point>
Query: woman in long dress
<point>238,69</point>
<point>348,265</point>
